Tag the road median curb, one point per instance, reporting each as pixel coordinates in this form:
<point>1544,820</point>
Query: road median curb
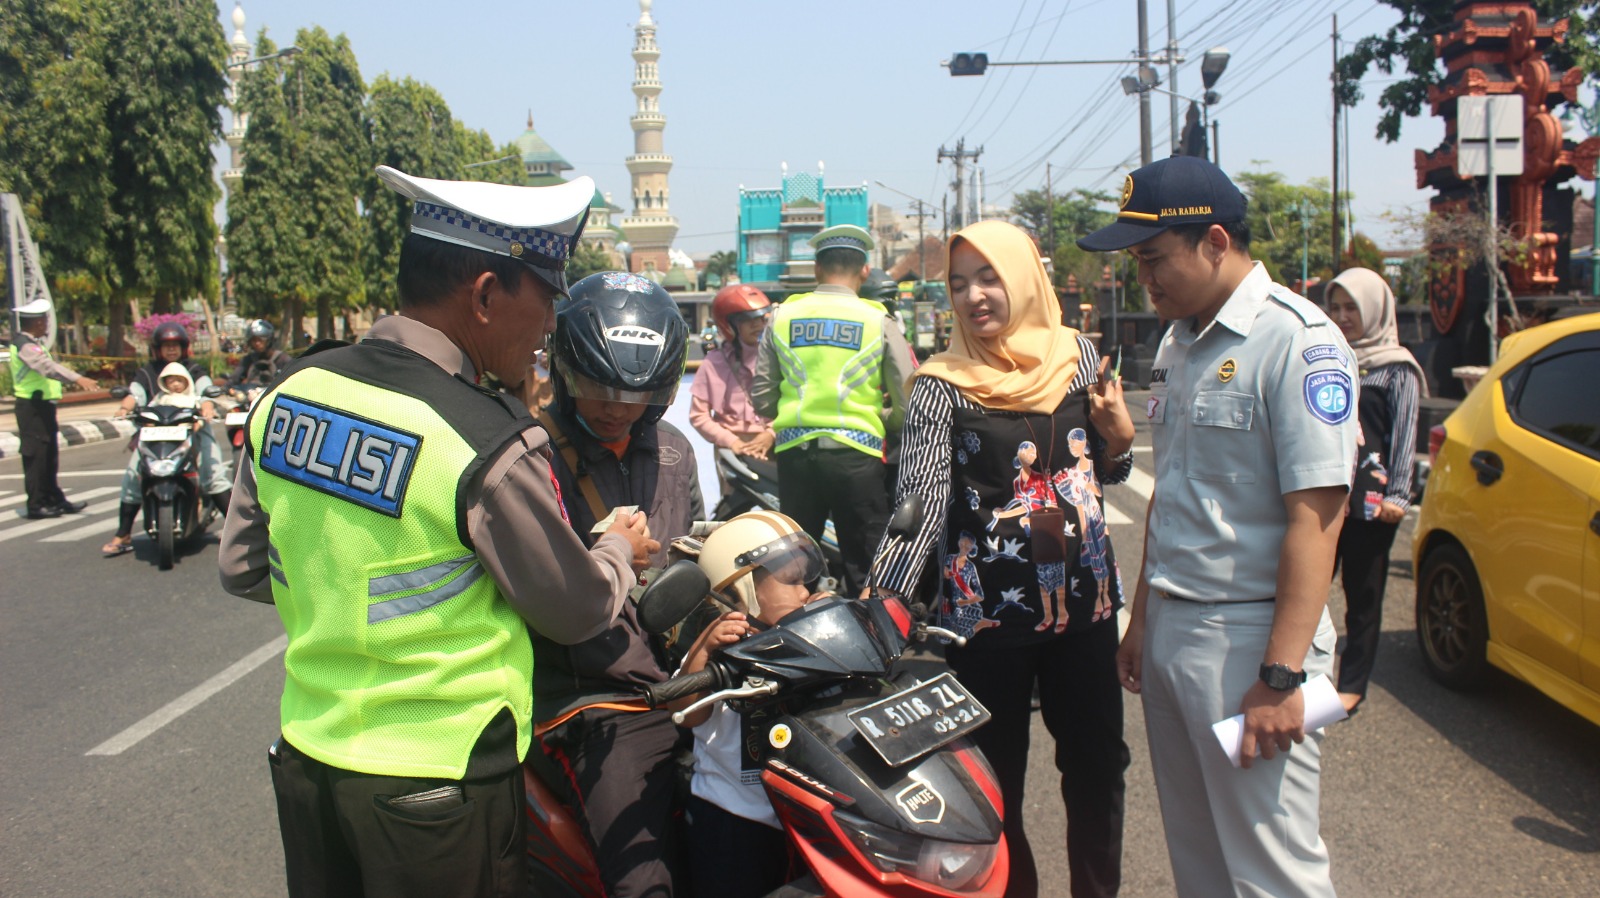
<point>74,433</point>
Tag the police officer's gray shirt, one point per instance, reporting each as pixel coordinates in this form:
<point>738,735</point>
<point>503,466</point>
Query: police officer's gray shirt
<point>32,354</point>
<point>514,517</point>
<point>1259,403</point>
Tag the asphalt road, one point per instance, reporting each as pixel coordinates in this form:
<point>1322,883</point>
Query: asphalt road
<point>137,706</point>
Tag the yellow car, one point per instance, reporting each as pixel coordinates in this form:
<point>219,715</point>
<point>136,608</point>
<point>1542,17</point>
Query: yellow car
<point>1507,547</point>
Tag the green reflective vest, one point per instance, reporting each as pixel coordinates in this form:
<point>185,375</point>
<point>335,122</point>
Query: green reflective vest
<point>24,380</point>
<point>401,647</point>
<point>830,352</point>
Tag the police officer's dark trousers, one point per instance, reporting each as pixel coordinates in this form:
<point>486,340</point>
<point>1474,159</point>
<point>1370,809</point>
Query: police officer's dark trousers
<point>41,457</point>
<point>353,834</point>
<point>815,483</point>
<point>1081,703</point>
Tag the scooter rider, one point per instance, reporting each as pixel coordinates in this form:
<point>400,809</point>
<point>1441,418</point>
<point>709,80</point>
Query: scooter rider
<point>617,358</point>
<point>264,360</point>
<point>720,408</point>
<point>169,343</point>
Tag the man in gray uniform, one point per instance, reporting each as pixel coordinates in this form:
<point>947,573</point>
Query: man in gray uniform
<point>1251,412</point>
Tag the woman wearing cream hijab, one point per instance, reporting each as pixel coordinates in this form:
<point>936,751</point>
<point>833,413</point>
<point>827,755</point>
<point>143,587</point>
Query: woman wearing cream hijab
<point>1362,305</point>
<point>1008,438</point>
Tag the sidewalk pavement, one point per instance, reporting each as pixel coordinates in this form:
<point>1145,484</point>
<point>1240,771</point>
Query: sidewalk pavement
<point>85,421</point>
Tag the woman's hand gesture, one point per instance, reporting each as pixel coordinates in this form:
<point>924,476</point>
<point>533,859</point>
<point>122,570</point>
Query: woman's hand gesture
<point>1108,412</point>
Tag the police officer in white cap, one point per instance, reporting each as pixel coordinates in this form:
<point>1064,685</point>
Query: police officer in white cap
<point>831,373</point>
<point>36,381</point>
<point>399,510</point>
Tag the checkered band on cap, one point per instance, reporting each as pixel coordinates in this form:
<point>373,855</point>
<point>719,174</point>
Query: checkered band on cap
<point>842,241</point>
<point>545,248</point>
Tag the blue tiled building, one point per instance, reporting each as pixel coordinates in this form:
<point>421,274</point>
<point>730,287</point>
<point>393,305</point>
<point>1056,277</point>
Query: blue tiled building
<point>776,223</point>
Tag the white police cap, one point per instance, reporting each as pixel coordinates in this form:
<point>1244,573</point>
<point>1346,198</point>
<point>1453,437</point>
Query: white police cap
<point>848,236</point>
<point>34,309</point>
<point>539,226</point>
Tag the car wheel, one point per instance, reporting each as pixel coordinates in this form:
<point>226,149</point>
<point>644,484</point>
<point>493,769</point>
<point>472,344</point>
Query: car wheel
<point>1452,625</point>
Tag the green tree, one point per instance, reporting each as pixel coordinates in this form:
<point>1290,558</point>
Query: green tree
<point>587,259</point>
<point>1288,222</point>
<point>267,256</point>
<point>722,265</point>
<point>481,160</point>
<point>409,128</point>
<point>164,67</point>
<point>56,144</point>
<point>1407,47</point>
<point>328,109</point>
<point>1065,218</point>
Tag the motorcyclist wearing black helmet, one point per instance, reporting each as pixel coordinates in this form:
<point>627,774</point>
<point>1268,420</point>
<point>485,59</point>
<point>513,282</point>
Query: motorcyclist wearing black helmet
<point>617,358</point>
<point>169,343</point>
<point>264,360</point>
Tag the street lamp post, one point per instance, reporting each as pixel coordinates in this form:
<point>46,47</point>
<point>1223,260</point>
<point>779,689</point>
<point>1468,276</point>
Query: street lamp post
<point>1212,66</point>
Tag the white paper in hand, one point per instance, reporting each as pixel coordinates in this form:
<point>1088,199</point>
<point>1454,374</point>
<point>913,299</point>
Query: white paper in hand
<point>1322,708</point>
<point>625,512</point>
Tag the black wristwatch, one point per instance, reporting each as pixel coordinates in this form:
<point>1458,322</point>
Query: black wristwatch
<point>1281,677</point>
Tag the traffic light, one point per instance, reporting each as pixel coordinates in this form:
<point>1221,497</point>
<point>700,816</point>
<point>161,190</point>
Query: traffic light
<point>968,63</point>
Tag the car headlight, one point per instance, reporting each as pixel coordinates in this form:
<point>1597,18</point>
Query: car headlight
<point>955,866</point>
<point>164,467</point>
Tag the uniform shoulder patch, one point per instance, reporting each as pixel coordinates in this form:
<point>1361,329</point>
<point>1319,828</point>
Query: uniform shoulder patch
<point>1325,351</point>
<point>338,453</point>
<point>1329,396</point>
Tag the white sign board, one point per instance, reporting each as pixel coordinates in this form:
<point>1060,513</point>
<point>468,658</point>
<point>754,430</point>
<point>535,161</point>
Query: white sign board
<point>1474,117</point>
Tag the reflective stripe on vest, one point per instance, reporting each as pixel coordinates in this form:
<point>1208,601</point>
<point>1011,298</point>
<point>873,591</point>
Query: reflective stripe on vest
<point>400,650</point>
<point>830,352</point>
<point>24,380</point>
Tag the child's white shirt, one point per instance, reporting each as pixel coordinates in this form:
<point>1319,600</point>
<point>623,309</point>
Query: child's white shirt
<point>180,400</point>
<point>719,775</point>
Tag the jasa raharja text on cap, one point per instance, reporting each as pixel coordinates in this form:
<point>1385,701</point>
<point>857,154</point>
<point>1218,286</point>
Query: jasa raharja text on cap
<point>539,226</point>
<point>1176,191</point>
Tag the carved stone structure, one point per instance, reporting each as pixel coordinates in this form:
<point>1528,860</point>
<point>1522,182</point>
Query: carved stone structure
<point>1498,48</point>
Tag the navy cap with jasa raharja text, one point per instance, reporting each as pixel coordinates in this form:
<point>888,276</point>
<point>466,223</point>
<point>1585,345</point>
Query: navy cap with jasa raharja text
<point>1179,190</point>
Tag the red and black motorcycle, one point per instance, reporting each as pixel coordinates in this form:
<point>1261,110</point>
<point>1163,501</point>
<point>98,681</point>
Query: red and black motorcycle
<point>865,763</point>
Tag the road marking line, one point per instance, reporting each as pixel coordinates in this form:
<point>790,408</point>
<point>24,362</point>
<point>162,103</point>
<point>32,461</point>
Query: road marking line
<point>104,525</point>
<point>190,700</point>
<point>1115,515</point>
<point>86,494</point>
<point>31,527</point>
<point>102,473</point>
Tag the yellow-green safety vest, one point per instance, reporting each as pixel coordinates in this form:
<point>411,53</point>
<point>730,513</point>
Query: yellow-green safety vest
<point>24,380</point>
<point>830,352</point>
<point>401,647</point>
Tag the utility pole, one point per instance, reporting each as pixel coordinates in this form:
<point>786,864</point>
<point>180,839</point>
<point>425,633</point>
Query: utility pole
<point>1049,213</point>
<point>944,216</point>
<point>1338,238</point>
<point>1144,96</point>
<point>960,156</point>
<point>1172,67</point>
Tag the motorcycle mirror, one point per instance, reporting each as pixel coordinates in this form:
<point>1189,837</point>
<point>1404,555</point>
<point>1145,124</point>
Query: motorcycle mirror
<point>907,517</point>
<point>212,392</point>
<point>119,392</point>
<point>672,596</point>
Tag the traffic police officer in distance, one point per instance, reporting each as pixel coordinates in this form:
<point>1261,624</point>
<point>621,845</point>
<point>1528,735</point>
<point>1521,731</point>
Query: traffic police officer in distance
<point>36,381</point>
<point>831,373</point>
<point>1251,412</point>
<point>401,514</point>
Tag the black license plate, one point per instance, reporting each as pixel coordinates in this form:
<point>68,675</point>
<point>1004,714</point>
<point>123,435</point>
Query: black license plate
<point>909,724</point>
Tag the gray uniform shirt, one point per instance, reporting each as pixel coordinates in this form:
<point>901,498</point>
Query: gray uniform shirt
<point>1259,403</point>
<point>32,354</point>
<point>515,519</point>
<point>898,366</point>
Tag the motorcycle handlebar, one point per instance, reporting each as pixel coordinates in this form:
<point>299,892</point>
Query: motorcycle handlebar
<point>658,694</point>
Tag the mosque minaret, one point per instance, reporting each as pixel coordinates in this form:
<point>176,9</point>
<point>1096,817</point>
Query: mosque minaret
<point>651,227</point>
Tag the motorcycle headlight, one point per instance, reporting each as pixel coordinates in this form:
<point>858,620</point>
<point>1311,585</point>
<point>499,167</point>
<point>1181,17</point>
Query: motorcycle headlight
<point>163,467</point>
<point>956,866</point>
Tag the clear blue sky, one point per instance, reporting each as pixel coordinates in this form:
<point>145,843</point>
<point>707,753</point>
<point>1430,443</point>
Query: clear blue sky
<point>750,84</point>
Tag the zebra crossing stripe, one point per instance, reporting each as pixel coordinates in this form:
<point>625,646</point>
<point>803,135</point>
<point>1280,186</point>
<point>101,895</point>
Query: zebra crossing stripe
<point>51,523</point>
<point>78,496</point>
<point>106,524</point>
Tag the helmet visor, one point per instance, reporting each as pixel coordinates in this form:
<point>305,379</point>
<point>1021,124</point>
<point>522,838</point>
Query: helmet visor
<point>793,559</point>
<point>580,387</point>
<point>738,318</point>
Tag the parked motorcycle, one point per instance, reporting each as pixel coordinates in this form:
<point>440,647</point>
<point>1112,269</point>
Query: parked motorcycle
<point>168,443</point>
<point>866,761</point>
<point>751,483</point>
